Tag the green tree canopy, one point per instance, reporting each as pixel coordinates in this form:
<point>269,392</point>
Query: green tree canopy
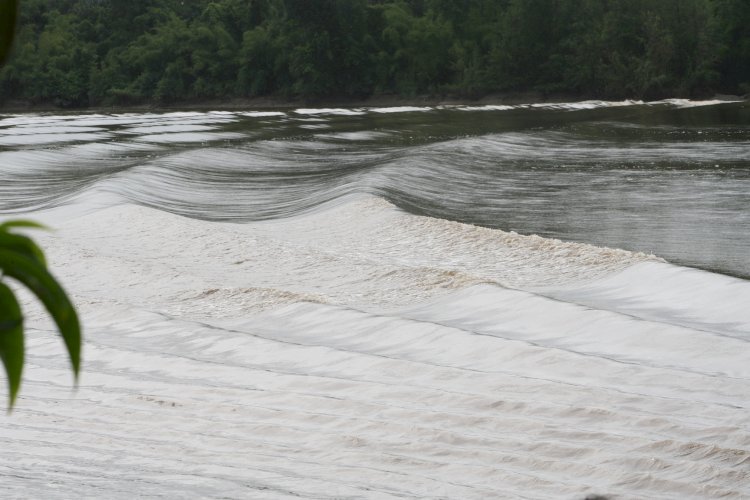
<point>103,52</point>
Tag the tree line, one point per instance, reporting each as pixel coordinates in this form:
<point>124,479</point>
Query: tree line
<point>75,53</point>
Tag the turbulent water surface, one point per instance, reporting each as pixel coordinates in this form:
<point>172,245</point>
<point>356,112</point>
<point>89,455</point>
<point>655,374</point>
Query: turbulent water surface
<point>534,301</point>
<point>669,178</point>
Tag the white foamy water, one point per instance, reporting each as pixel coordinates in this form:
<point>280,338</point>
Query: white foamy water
<point>401,109</point>
<point>298,335</point>
<point>262,114</point>
<point>358,351</point>
<point>688,103</point>
<point>329,111</point>
<point>573,106</point>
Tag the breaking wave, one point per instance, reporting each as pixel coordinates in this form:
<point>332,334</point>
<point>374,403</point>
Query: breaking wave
<point>349,303</point>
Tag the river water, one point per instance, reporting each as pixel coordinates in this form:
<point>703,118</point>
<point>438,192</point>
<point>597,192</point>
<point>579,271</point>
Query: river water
<point>528,301</point>
<point>669,178</point>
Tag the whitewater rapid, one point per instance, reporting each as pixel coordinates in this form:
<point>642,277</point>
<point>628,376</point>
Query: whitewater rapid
<point>669,177</point>
<point>375,303</point>
<point>358,351</point>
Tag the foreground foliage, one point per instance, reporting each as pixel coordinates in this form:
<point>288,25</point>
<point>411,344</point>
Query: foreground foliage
<point>23,261</point>
<point>94,52</point>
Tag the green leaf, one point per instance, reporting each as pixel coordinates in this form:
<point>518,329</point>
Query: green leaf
<point>11,340</point>
<point>23,245</point>
<point>36,277</point>
<point>21,222</point>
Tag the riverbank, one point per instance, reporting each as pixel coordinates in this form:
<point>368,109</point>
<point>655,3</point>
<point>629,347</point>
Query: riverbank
<point>385,100</point>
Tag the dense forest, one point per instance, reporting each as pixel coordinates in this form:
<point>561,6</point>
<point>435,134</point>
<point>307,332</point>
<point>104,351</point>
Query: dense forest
<point>123,52</point>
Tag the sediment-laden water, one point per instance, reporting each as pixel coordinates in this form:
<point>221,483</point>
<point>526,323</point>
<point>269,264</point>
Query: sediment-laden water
<point>669,178</point>
<point>448,302</point>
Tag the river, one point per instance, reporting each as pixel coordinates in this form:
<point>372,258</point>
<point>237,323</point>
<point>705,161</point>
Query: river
<point>669,178</point>
<point>526,301</point>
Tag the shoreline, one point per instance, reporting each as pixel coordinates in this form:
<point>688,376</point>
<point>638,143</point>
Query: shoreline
<point>264,103</point>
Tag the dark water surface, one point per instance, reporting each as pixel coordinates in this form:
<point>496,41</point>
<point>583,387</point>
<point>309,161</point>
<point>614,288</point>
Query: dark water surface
<point>671,178</point>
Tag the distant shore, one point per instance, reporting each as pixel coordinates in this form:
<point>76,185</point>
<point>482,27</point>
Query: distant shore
<point>386,100</point>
